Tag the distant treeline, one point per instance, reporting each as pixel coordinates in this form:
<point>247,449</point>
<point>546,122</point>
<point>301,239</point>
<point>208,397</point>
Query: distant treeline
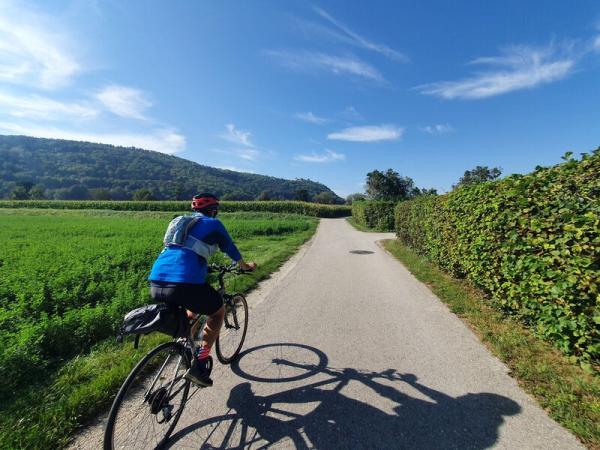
<point>34,168</point>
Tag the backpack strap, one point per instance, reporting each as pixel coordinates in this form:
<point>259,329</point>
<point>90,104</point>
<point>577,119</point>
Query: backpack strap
<point>200,247</point>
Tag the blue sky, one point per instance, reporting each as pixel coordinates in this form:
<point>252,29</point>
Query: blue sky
<point>326,90</point>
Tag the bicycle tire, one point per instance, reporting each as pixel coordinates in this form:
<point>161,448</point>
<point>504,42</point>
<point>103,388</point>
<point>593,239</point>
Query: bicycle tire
<point>233,333</point>
<point>153,402</point>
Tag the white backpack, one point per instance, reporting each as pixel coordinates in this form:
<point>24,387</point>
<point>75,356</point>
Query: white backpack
<point>177,235</point>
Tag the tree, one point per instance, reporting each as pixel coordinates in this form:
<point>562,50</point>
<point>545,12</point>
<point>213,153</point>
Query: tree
<point>19,193</point>
<point>477,175</point>
<point>76,192</point>
<point>325,197</point>
<point>430,191</point>
<point>302,195</point>
<point>100,194</point>
<point>37,192</point>
<point>178,192</point>
<point>119,194</point>
<point>263,196</point>
<point>22,191</point>
<point>355,198</point>
<point>390,185</point>
<point>143,194</point>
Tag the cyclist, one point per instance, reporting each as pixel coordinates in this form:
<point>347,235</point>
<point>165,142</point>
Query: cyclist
<point>178,277</point>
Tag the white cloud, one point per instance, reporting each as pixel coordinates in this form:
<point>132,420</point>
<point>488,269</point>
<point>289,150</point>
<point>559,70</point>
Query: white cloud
<point>371,133</point>
<point>249,154</point>
<point>437,129</point>
<point>328,156</point>
<point>236,136</point>
<point>162,140</point>
<point>39,107</point>
<point>311,118</point>
<point>519,67</point>
<point>597,43</point>
<point>245,153</point>
<point>235,169</point>
<point>36,53</point>
<point>33,51</point>
<point>360,41</point>
<point>305,61</point>
<point>350,112</point>
<point>124,101</point>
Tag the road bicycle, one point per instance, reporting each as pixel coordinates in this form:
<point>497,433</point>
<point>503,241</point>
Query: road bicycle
<point>153,396</point>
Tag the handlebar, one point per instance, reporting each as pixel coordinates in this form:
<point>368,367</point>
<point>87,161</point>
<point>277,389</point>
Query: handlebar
<point>223,269</point>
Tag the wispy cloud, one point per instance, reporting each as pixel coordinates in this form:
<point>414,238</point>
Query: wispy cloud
<point>371,133</point>
<point>162,140</point>
<point>311,118</point>
<point>243,147</point>
<point>351,113</point>
<point>33,49</point>
<point>306,61</point>
<point>518,67</point>
<point>328,156</point>
<point>125,101</point>
<point>236,136</point>
<point>437,129</point>
<point>597,43</point>
<point>249,154</point>
<point>40,107</point>
<point>360,41</point>
<point>235,169</point>
<point>246,153</point>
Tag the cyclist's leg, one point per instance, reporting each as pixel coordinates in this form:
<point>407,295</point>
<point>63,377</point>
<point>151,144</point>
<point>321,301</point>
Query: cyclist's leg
<point>213,327</point>
<point>204,299</point>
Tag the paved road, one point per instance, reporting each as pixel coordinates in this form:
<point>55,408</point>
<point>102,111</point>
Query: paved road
<point>349,350</point>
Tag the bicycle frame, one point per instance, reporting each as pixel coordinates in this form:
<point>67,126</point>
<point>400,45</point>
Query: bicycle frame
<point>199,324</point>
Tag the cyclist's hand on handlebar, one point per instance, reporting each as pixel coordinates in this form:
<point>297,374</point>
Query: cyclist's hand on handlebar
<point>248,267</point>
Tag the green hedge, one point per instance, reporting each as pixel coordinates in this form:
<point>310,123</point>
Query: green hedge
<point>532,242</point>
<point>305,208</point>
<point>378,215</point>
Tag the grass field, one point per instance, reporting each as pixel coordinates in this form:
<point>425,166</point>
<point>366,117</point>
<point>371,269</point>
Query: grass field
<point>66,279</point>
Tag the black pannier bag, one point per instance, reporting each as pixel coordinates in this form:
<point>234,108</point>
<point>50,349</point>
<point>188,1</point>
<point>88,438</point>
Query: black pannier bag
<point>159,317</point>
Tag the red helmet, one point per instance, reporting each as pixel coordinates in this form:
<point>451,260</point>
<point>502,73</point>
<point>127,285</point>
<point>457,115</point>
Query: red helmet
<point>202,201</point>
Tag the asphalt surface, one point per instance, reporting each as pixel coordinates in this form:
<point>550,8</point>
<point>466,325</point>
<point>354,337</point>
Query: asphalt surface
<point>346,349</point>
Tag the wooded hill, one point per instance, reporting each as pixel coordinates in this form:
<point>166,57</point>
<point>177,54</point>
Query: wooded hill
<point>72,170</point>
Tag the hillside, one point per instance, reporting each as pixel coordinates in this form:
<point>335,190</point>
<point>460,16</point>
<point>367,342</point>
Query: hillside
<point>80,170</point>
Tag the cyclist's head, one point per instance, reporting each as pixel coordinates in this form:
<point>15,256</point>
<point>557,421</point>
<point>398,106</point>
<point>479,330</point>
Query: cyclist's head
<point>205,203</point>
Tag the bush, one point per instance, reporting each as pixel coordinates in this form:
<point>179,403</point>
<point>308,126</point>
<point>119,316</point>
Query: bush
<point>292,207</point>
<point>378,214</point>
<point>532,242</point>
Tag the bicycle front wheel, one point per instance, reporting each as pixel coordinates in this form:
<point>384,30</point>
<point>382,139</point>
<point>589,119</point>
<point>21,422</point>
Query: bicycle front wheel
<point>150,401</point>
<point>232,335</point>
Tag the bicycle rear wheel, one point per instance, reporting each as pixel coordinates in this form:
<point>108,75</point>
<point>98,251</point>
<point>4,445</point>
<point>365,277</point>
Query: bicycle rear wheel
<point>232,335</point>
<point>150,401</point>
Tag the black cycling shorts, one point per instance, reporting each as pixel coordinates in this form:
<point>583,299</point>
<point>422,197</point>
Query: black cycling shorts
<point>199,298</point>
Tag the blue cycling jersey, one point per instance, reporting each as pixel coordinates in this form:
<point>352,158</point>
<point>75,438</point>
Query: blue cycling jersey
<point>182,265</point>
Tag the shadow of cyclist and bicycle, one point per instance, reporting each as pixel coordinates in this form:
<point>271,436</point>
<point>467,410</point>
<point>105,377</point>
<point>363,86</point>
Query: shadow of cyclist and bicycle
<point>331,419</point>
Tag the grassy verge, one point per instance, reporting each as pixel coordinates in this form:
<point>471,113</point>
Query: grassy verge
<point>48,411</point>
<point>361,227</point>
<point>569,394</point>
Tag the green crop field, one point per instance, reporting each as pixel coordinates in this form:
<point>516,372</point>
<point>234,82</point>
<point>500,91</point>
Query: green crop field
<point>66,279</point>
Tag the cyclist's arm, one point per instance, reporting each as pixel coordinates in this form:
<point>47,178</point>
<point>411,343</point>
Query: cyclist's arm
<point>227,246</point>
